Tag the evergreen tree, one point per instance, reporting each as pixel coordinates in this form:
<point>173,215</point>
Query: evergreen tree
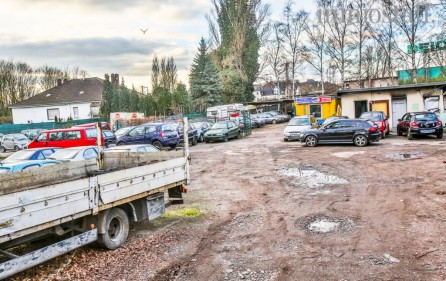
<point>181,100</point>
<point>204,81</point>
<point>107,94</point>
<point>124,97</point>
<point>134,101</point>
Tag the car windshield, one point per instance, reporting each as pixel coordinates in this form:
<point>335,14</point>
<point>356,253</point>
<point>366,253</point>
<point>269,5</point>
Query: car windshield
<point>108,134</point>
<point>65,154</point>
<point>299,122</point>
<point>426,117</point>
<point>122,131</point>
<point>220,126</point>
<point>373,116</point>
<point>20,137</point>
<point>167,128</point>
<point>21,155</point>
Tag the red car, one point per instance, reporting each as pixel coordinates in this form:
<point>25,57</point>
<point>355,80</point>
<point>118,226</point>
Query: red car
<point>380,119</point>
<point>64,138</point>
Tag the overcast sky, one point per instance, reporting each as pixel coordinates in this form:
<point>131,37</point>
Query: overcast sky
<point>104,36</point>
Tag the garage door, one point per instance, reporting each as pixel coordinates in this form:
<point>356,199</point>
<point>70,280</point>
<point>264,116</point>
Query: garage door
<point>380,106</point>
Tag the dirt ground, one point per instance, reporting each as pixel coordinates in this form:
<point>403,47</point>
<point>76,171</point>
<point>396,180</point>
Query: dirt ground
<point>275,210</point>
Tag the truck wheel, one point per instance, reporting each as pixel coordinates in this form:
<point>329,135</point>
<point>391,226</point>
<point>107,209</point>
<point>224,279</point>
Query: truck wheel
<point>157,144</point>
<point>116,229</point>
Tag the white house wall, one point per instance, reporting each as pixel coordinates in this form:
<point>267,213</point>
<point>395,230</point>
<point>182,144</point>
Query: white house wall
<point>40,114</point>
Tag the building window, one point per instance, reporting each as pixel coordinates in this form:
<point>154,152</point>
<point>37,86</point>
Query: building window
<point>53,112</point>
<point>431,103</point>
<point>76,112</point>
<point>316,110</point>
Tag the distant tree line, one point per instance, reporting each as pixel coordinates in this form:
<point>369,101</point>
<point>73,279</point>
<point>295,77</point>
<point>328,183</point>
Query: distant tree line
<point>19,81</point>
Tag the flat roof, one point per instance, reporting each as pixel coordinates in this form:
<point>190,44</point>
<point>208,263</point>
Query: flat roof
<point>392,88</point>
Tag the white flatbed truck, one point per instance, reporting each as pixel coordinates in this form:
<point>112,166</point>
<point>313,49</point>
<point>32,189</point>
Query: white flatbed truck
<point>81,204</point>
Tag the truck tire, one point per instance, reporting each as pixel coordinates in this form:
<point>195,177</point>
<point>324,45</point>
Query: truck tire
<point>116,229</point>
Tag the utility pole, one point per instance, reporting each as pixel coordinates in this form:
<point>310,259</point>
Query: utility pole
<point>287,81</point>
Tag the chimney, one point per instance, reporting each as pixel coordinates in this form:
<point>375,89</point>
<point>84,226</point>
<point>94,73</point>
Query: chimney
<point>59,82</point>
<point>117,79</point>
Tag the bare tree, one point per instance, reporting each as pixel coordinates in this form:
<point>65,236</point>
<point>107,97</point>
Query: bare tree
<point>340,44</point>
<point>411,20</point>
<point>274,51</point>
<point>292,28</point>
<point>49,76</point>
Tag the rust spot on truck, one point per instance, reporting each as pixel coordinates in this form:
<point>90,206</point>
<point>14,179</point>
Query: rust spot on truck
<point>6,223</point>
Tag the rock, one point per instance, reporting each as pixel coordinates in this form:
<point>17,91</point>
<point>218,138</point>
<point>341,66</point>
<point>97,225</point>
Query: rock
<point>391,259</point>
<point>193,260</point>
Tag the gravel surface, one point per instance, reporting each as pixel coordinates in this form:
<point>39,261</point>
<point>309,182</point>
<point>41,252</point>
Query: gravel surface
<point>383,218</point>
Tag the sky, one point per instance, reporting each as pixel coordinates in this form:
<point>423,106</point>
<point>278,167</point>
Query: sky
<point>104,36</point>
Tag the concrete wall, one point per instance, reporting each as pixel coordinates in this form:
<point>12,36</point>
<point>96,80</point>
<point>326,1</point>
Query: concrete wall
<point>415,101</point>
<point>40,114</point>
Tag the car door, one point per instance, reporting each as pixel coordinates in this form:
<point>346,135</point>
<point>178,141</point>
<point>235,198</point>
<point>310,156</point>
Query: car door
<point>150,134</point>
<point>8,142</point>
<point>405,123</point>
<point>329,132</point>
<point>232,129</point>
<point>346,131</point>
<point>137,135</point>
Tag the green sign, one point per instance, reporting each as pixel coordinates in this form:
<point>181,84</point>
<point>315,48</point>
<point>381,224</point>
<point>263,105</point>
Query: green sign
<point>427,47</point>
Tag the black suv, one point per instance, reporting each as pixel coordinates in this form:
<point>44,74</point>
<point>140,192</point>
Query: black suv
<point>419,123</point>
<point>358,131</point>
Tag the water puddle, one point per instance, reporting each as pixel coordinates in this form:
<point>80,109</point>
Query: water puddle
<point>404,155</point>
<point>310,178</point>
<point>321,224</point>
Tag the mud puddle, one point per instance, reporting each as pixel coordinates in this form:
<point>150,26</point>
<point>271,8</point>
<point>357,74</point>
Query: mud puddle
<point>321,224</point>
<point>405,155</point>
<point>310,178</point>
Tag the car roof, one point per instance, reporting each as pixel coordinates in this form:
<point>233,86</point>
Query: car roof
<point>67,130</point>
<point>40,148</point>
<point>303,116</point>
<point>19,163</point>
<point>420,112</point>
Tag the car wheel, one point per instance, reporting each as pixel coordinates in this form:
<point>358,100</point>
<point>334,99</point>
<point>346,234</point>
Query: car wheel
<point>201,139</point>
<point>285,139</point>
<point>194,141</point>
<point>409,135</point>
<point>360,140</point>
<point>311,141</point>
<point>120,143</point>
<point>440,135</point>
<point>16,148</point>
<point>238,135</point>
<point>226,138</point>
<point>388,131</point>
<point>116,229</point>
<point>2,149</point>
<point>274,122</point>
<point>157,144</point>
<point>383,135</point>
<point>398,132</point>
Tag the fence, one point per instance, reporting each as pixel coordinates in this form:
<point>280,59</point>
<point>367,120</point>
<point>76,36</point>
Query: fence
<point>17,128</point>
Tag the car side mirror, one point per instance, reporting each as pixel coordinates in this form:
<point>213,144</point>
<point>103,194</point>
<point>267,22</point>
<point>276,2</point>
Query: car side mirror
<point>399,120</point>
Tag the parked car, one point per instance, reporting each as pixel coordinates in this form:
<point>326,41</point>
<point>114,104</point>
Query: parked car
<point>357,131</point>
<point>75,153</point>
<point>31,133</point>
<point>283,117</point>
<point>65,138</point>
<point>269,118</point>
<point>380,119</point>
<point>104,125</point>
<point>31,154</point>
<point>109,138</point>
<point>223,131</point>
<point>157,134</point>
<point>297,125</point>
<point>192,133</point>
<point>26,165</point>
<point>123,131</point>
<point>333,118</point>
<point>202,128</point>
<point>257,122</point>
<point>132,148</point>
<point>419,123</point>
<point>14,142</point>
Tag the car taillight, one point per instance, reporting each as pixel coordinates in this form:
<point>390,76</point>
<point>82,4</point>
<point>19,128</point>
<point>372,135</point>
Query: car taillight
<point>162,135</point>
<point>373,130</point>
<point>413,124</point>
<point>439,123</point>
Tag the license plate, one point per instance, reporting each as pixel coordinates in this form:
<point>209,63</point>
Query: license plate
<point>428,131</point>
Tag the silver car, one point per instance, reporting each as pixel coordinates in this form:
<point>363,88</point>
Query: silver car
<point>14,142</point>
